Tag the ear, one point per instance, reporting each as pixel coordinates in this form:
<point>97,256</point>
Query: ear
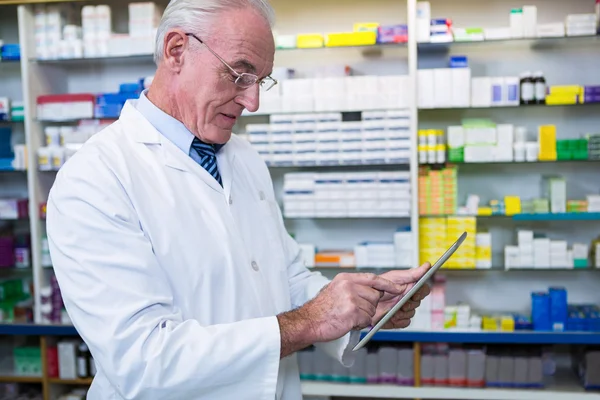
<point>175,43</point>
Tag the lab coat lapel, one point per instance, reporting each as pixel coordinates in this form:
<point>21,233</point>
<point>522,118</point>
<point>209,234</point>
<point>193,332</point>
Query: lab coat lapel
<point>226,165</point>
<point>143,132</point>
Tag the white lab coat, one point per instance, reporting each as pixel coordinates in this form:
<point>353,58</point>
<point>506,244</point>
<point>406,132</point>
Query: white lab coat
<point>173,281</point>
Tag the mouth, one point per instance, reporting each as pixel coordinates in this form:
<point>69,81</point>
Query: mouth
<point>231,117</point>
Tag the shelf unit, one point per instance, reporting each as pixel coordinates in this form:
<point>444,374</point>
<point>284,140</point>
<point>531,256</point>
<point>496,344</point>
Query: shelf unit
<point>565,391</point>
<point>53,76</point>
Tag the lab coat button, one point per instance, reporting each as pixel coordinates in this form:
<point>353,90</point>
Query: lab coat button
<point>261,195</point>
<point>255,266</point>
<point>230,200</point>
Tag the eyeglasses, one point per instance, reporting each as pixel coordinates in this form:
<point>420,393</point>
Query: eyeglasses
<point>243,80</point>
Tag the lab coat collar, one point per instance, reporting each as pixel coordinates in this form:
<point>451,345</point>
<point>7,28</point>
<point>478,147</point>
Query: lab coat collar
<point>142,131</point>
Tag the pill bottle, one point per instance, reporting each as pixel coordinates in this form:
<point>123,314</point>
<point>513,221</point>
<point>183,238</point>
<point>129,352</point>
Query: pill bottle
<point>58,157</point>
<point>431,154</point>
<point>423,136</point>
<point>432,137</point>
<point>45,159</point>
<point>52,136</point>
<point>520,134</point>
<point>422,154</point>
<point>540,87</point>
<point>441,153</point>
<point>527,88</point>
<point>519,151</point>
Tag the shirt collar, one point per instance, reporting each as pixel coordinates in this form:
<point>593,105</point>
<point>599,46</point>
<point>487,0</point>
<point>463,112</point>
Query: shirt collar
<point>168,126</point>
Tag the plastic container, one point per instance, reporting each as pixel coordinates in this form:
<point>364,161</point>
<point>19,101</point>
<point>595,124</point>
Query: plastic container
<point>527,88</point>
<point>388,364</point>
<point>52,136</point>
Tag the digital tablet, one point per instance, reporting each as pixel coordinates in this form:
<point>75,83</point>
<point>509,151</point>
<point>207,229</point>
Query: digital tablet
<point>411,292</point>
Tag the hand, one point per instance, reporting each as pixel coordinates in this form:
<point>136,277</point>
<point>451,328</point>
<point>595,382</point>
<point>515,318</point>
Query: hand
<point>406,279</point>
<point>349,302</point>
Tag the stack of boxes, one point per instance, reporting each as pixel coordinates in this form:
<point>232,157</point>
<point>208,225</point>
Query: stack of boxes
<point>438,304</point>
<point>97,30</point>
<point>581,24</point>
<point>549,311</point>
<point>481,140</point>
<point>537,251</point>
<point>27,361</point>
<point>464,258</point>
<point>594,147</point>
<point>572,94</point>
<point>483,250</point>
<point>440,31</point>
<point>10,52</point>
<point>437,234</point>
<point>144,19</point>
<point>375,255</point>
<point>337,93</point>
<point>554,188</point>
<point>547,143</point>
<point>438,191</point>
<point>56,35</point>
<point>339,195</point>
<point>382,137</point>
<point>403,248</point>
<point>444,87</point>
<point>432,239</point>
<point>573,149</point>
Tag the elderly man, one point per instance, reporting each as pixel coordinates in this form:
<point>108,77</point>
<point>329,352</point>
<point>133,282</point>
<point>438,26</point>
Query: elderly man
<point>168,244</point>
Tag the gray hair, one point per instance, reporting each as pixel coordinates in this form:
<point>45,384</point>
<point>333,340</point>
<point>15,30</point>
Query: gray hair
<point>195,16</point>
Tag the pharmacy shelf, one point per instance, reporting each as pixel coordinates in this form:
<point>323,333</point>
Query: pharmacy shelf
<point>20,379</point>
<point>517,337</point>
<point>523,106</point>
<point>82,382</point>
<point>346,166</point>
<point>538,43</point>
<point>141,58</point>
<point>347,218</point>
<point>584,216</point>
<point>537,162</point>
<point>543,217</point>
<point>37,330</point>
<point>564,391</point>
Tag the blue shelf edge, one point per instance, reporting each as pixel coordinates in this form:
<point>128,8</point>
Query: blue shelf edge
<point>37,330</point>
<point>518,337</point>
<point>584,216</point>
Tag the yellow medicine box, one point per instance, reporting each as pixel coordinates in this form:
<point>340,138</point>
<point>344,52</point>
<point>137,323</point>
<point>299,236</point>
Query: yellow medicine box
<point>365,38</point>
<point>512,205</point>
<point>310,41</point>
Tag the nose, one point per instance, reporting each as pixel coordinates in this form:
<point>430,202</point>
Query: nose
<point>249,98</point>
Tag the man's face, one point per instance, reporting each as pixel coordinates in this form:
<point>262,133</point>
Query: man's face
<point>209,101</point>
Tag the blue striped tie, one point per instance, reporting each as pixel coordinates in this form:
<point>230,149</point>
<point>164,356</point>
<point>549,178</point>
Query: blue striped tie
<point>208,157</point>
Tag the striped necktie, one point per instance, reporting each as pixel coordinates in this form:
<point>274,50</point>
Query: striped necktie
<point>208,158</point>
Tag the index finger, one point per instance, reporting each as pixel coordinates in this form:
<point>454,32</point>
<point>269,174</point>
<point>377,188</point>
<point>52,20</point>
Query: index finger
<point>379,283</point>
<point>415,274</point>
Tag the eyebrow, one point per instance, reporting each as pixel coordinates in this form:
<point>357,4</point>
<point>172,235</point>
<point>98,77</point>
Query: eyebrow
<point>247,65</point>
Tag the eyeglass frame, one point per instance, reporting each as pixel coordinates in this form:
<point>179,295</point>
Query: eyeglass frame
<point>267,79</point>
